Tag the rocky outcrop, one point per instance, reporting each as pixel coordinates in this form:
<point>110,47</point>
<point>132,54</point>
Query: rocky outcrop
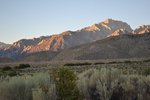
<point>3,45</point>
<point>119,32</point>
<point>142,29</point>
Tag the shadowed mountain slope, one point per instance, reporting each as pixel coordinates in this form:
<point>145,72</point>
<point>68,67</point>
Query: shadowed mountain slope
<point>122,46</point>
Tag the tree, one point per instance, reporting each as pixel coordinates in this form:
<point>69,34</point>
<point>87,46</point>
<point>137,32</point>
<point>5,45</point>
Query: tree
<point>66,85</point>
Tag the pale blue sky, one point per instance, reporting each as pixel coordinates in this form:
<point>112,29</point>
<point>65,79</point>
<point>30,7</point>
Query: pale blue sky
<point>33,18</point>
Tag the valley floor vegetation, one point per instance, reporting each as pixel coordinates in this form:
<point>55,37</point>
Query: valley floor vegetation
<point>101,82</point>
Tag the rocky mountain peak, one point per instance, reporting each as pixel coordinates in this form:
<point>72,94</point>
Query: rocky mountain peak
<point>108,25</point>
<point>119,32</point>
<point>3,45</point>
<point>109,20</point>
<point>92,28</point>
<point>142,29</point>
<point>114,25</point>
<point>66,33</point>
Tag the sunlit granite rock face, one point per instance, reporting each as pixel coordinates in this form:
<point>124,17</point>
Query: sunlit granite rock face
<point>120,32</point>
<point>142,29</point>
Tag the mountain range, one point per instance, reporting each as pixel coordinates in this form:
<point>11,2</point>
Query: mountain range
<point>108,39</point>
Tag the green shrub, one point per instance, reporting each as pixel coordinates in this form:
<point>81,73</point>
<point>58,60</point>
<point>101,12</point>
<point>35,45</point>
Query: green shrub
<point>1,73</point>
<point>98,63</point>
<point>66,85</point>
<point>148,60</point>
<point>7,71</point>
<point>6,68</point>
<point>16,67</point>
<point>146,72</point>
<point>113,62</point>
<point>127,61</point>
<point>77,64</point>
<point>11,73</point>
<point>22,66</point>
